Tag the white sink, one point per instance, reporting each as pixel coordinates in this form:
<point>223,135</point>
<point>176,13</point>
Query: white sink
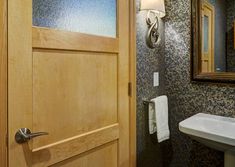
<point>214,131</point>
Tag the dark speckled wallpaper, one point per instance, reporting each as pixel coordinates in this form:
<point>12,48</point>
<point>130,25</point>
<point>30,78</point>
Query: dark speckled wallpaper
<point>148,62</point>
<point>172,59</point>
<point>185,98</point>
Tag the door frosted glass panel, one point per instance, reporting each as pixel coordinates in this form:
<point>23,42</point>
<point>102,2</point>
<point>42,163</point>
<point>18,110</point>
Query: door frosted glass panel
<point>97,17</point>
<point>206,33</point>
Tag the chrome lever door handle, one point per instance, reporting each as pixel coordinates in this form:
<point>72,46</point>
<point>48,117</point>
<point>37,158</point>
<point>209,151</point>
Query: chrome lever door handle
<point>24,135</point>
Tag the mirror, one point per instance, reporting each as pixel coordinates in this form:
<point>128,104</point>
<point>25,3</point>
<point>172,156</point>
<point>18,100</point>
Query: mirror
<point>213,40</point>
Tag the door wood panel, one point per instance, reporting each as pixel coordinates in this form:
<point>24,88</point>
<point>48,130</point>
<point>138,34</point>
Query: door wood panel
<point>52,154</point>
<point>79,95</point>
<point>104,156</point>
<point>72,85</point>
<point>56,39</point>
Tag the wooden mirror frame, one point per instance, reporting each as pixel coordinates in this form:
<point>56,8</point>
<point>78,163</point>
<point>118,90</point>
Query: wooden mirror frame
<point>196,36</point>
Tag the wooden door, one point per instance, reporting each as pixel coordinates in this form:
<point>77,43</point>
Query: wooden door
<point>73,86</point>
<point>207,57</point>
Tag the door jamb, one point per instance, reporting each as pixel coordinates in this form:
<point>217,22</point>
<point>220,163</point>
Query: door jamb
<point>132,80</point>
<point>3,83</point>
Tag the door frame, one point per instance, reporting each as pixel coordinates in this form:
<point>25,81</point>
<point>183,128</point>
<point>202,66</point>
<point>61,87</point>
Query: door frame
<point>3,83</point>
<point>4,72</point>
<point>132,79</point>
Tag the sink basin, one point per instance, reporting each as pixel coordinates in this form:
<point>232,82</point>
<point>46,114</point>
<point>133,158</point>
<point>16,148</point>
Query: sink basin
<point>214,131</point>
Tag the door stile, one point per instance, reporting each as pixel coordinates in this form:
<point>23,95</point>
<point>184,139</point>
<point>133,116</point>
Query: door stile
<point>123,79</point>
<point>19,66</point>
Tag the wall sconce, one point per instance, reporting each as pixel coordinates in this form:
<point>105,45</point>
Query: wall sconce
<point>156,8</point>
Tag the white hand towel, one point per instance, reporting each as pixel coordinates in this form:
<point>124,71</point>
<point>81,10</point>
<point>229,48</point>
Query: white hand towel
<point>161,114</point>
<point>152,119</point>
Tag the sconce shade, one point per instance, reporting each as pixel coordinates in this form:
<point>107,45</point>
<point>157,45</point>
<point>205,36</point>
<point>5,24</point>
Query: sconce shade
<point>156,6</point>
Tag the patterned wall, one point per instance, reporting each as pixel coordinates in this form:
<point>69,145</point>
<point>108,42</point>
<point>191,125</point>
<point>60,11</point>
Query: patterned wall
<point>148,62</point>
<point>172,59</point>
<point>185,98</point>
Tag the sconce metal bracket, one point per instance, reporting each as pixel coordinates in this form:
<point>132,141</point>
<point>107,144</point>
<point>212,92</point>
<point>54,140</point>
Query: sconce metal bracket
<point>153,36</point>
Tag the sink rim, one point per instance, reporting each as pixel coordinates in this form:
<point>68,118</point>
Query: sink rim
<point>228,140</point>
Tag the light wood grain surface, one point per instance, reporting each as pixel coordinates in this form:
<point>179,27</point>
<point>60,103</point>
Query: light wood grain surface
<point>3,82</point>
<point>72,85</point>
<point>57,39</point>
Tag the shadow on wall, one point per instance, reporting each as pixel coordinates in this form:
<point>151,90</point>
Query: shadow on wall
<point>230,35</point>
<point>154,153</point>
<point>230,50</point>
